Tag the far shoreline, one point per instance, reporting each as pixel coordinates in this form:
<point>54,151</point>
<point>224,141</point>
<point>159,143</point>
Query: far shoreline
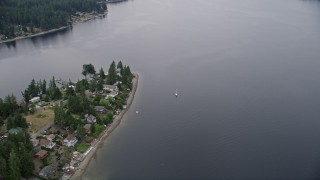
<point>98,142</point>
<point>52,30</point>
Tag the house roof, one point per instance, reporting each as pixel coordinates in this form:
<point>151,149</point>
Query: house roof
<point>51,136</point>
<point>111,87</point>
<point>15,130</point>
<point>35,98</point>
<point>46,171</point>
<point>42,153</point>
<point>90,118</point>
<point>44,142</point>
<point>87,126</point>
<point>100,108</point>
<point>70,137</point>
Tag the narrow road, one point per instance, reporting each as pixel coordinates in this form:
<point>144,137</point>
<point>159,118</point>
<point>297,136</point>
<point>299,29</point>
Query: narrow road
<point>34,135</point>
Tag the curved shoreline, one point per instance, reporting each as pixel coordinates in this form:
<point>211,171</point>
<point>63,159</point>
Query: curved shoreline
<point>117,120</point>
<point>50,31</point>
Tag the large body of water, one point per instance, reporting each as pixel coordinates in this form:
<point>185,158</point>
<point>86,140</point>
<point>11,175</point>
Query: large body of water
<point>248,75</point>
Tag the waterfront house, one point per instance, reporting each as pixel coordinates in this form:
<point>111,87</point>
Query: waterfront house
<point>110,88</point>
<point>46,143</point>
<point>90,118</point>
<point>100,109</point>
<point>87,128</point>
<point>70,140</point>
<point>35,100</point>
<point>41,154</point>
<point>112,94</point>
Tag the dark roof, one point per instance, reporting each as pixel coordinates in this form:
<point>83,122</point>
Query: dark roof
<point>47,170</point>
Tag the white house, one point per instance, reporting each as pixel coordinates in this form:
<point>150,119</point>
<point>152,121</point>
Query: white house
<point>35,99</point>
<point>112,94</point>
<point>110,87</point>
<point>46,143</point>
<point>90,118</point>
<point>71,140</point>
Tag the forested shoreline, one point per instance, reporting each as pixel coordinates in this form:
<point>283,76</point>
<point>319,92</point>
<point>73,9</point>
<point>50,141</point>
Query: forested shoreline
<point>27,17</point>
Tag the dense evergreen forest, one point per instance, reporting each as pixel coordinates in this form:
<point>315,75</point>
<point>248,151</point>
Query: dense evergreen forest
<point>18,17</point>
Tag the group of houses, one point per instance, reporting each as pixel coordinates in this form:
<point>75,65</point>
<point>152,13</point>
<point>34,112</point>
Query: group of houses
<point>48,143</point>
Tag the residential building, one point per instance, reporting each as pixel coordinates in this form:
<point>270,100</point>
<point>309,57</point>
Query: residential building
<point>41,154</point>
<point>70,140</point>
<point>35,100</point>
<point>47,171</point>
<point>51,137</point>
<point>87,128</point>
<point>112,94</point>
<point>46,143</point>
<point>15,130</point>
<point>90,118</point>
<point>110,87</point>
<point>100,109</point>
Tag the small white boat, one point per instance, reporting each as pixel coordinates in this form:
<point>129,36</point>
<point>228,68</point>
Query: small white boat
<point>137,112</point>
<point>176,93</point>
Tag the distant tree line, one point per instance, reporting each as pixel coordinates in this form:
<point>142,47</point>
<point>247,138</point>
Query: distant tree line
<point>43,14</point>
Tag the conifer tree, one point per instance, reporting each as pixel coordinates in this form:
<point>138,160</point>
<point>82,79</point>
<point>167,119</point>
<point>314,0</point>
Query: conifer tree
<point>3,167</point>
<point>14,166</point>
<point>44,87</point>
<point>102,75</point>
<point>112,73</point>
<point>120,67</point>
<point>26,166</point>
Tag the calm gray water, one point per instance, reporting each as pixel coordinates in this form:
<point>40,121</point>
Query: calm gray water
<point>248,75</point>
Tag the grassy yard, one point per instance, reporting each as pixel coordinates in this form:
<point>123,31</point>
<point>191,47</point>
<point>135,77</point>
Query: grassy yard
<point>39,119</point>
<point>83,147</point>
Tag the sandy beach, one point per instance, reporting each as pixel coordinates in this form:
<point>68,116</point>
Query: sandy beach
<point>97,143</point>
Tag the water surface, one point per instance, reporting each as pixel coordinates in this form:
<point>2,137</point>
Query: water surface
<point>247,74</point>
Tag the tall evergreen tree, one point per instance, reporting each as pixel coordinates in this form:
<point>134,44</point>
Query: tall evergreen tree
<point>52,83</point>
<point>59,115</point>
<point>14,166</point>
<point>26,96</point>
<point>26,165</point>
<point>1,121</point>
<point>101,73</point>
<point>32,89</point>
<point>44,87</point>
<point>3,168</point>
<point>112,74</point>
<point>10,123</point>
<point>120,67</point>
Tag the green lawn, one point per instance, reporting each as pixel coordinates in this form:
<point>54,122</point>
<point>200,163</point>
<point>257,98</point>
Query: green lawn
<point>83,147</point>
